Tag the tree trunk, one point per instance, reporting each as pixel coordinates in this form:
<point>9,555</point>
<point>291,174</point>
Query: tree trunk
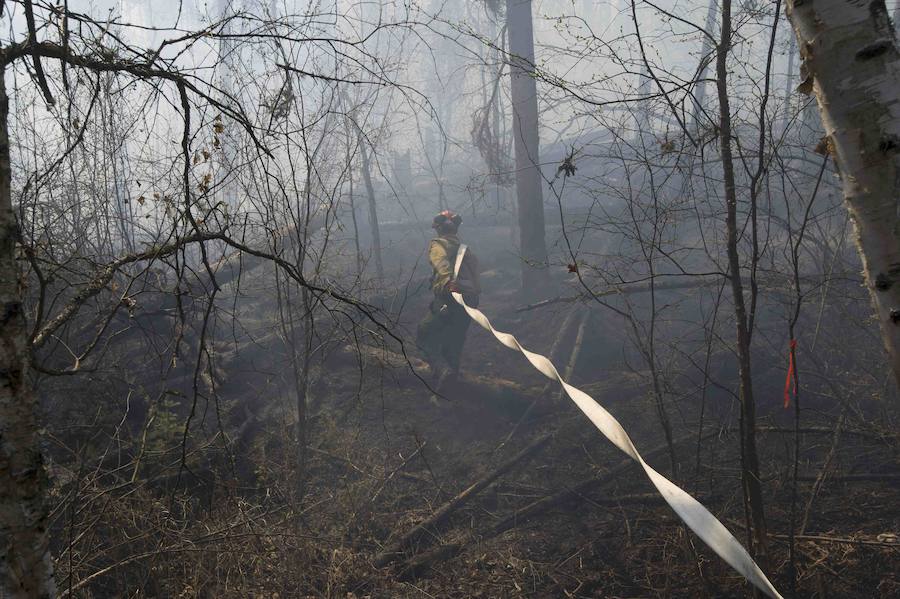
<point>851,63</point>
<point>896,16</point>
<point>373,208</point>
<point>643,135</point>
<point>753,501</point>
<point>26,569</point>
<point>352,199</point>
<point>525,132</point>
<point>705,50</point>
<point>358,250</point>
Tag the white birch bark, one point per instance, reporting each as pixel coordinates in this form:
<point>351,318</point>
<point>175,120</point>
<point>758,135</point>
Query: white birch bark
<point>851,63</point>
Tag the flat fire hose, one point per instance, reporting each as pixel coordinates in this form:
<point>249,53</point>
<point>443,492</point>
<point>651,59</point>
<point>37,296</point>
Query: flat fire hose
<point>691,511</point>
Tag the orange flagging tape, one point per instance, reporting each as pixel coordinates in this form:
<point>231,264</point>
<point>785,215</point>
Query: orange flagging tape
<point>790,380</point>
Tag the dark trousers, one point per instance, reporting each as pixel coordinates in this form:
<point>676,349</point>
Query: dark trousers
<point>442,333</point>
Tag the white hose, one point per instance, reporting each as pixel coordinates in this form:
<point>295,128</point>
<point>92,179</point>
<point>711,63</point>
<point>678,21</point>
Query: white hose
<point>697,517</point>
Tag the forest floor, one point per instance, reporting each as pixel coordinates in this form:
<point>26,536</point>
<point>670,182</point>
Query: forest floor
<point>390,462</point>
<point>471,494</point>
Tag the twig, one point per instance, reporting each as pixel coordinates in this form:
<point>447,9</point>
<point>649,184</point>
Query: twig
<point>820,479</point>
<point>842,540</point>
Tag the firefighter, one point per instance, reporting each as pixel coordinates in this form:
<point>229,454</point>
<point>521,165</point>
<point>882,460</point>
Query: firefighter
<point>442,332</point>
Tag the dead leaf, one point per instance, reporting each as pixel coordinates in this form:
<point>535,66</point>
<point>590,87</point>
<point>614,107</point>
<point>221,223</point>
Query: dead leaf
<point>825,146</point>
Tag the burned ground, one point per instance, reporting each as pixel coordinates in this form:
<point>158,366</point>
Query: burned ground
<point>473,493</point>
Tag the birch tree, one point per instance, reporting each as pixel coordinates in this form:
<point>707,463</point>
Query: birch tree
<point>851,63</point>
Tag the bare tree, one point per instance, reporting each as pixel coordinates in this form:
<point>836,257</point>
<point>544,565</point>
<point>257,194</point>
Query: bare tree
<point>194,232</point>
<point>743,323</point>
<point>26,568</point>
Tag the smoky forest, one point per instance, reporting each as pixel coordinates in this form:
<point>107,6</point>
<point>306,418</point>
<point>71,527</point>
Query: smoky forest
<point>362,299</point>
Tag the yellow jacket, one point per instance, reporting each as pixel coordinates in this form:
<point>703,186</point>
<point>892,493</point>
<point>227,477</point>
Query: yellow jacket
<point>441,251</point>
<point>442,255</point>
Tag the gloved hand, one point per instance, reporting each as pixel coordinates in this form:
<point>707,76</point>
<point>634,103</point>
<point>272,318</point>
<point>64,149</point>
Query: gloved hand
<point>453,287</point>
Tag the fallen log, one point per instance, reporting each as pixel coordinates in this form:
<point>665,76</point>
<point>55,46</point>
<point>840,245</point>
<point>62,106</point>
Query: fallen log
<point>508,395</point>
<point>854,478</point>
<point>773,284</point>
<point>576,349</point>
<point>429,526</point>
<point>415,566</point>
<point>575,318</point>
<point>546,503</point>
<point>891,543</point>
<point>571,324</point>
